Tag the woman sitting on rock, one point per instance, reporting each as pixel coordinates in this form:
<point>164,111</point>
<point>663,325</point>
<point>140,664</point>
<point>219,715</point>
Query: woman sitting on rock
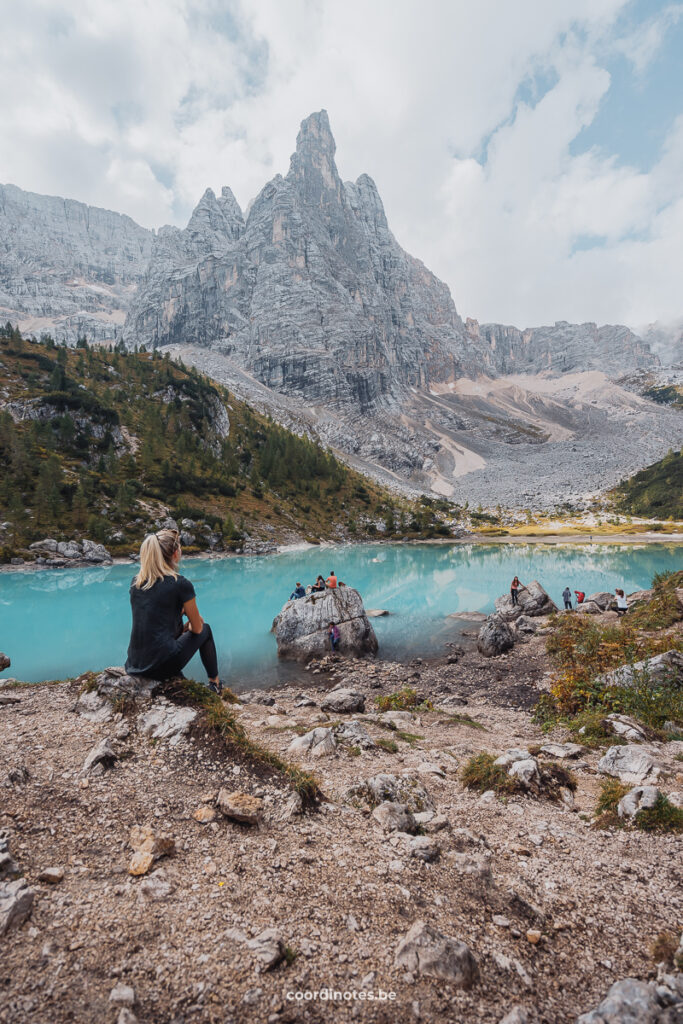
<point>160,646</point>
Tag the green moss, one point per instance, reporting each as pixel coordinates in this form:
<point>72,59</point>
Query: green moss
<point>405,699</point>
<point>391,746</point>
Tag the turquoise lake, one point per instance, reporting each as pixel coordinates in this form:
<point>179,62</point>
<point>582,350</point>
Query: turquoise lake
<point>59,623</point>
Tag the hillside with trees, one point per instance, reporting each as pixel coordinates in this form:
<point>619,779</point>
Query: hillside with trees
<point>102,443</point>
<point>656,491</point>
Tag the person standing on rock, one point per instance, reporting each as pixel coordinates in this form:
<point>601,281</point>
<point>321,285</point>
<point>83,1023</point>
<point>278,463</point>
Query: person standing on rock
<point>160,646</point>
<point>515,587</point>
<point>331,580</point>
<point>567,598</point>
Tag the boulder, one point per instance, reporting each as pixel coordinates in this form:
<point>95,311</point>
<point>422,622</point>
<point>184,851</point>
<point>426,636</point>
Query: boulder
<point>268,948</point>
<point>424,950</point>
<point>661,668</point>
<point>625,726</point>
<point>495,637</point>
<point>525,772</point>
<point>638,1002</point>
<point>511,756</point>
<point>642,798</point>
<point>166,721</point>
<point>103,754</point>
<point>376,613</point>
<point>96,553</point>
<point>589,608</point>
<point>70,549</point>
<point>343,700</point>
<point>316,743</point>
<point>533,601</point>
<point>353,734</point>
<point>301,628</point>
<point>44,545</point>
<point>525,625</point>
<point>8,866</point>
<point>16,901</point>
<point>562,751</point>
<point>394,817</point>
<point>604,600</point>
<point>403,789</point>
<point>4,661</point>
<point>240,807</point>
<point>629,764</point>
<point>115,682</point>
<point>94,708</point>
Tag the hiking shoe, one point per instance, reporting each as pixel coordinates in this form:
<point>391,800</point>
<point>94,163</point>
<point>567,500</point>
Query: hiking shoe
<point>219,687</point>
<point>213,687</point>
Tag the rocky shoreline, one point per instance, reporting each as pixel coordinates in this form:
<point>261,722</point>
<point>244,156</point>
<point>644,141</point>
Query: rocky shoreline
<point>163,874</point>
<point>56,561</point>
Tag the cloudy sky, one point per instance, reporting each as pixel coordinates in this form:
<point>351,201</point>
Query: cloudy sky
<point>531,153</point>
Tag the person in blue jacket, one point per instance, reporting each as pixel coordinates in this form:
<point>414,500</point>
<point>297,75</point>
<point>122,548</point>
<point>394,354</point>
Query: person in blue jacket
<point>298,591</point>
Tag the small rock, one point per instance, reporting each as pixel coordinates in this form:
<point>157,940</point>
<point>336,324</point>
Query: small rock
<point>394,817</point>
<point>562,751</point>
<point>424,950</point>
<point>52,876</point>
<point>204,815</point>
<point>148,848</point>
<point>157,886</point>
<point>16,901</point>
<point>166,721</point>
<point>642,798</point>
<point>318,742</point>
<point>240,807</point>
<point>500,921</point>
<point>628,763</point>
<point>126,1016</point>
<point>122,995</point>
<point>343,701</point>
<point>534,936</point>
<point>517,1015</point>
<point>628,728</point>
<point>268,948</point>
<point>103,754</point>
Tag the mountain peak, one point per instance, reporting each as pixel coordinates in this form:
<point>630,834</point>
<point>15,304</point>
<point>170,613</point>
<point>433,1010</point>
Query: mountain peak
<point>315,134</point>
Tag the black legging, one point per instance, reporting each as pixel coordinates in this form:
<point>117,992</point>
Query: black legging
<point>188,645</point>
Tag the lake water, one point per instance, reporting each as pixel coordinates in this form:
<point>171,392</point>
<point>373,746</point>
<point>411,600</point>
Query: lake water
<point>60,622</point>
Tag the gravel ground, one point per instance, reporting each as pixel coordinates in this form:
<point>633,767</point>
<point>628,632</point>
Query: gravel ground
<point>340,892</point>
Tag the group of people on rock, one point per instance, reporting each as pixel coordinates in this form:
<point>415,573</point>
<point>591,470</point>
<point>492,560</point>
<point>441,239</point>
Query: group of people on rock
<point>331,583</point>
<point>622,603</point>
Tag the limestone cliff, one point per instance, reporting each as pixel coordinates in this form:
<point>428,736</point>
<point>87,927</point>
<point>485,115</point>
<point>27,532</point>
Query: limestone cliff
<point>67,268</point>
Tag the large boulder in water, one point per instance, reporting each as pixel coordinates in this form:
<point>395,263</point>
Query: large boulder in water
<point>533,601</point>
<point>301,628</point>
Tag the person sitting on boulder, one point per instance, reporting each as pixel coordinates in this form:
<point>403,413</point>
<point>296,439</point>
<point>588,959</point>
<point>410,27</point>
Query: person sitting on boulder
<point>515,587</point>
<point>622,603</point>
<point>298,591</point>
<point>160,647</point>
<point>319,584</point>
<point>580,596</point>
<point>334,635</point>
<point>567,598</point>
<point>331,580</point>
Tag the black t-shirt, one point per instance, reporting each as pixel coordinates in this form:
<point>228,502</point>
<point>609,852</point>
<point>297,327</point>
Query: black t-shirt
<point>157,622</point>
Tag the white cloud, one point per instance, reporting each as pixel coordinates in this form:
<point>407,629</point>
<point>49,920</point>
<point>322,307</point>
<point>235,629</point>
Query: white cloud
<point>138,105</point>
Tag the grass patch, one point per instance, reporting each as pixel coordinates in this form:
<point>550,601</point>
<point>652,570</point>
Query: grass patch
<point>663,949</point>
<point>408,737</point>
<point>353,751</point>
<point>611,792</point>
<point>663,608</point>
<point>663,817</point>
<point>480,773</point>
<point>222,721</point>
<point>290,955</point>
<point>391,746</point>
<point>405,699</point>
<point>472,723</point>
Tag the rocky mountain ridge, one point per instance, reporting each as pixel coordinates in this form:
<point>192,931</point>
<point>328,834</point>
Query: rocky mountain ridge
<point>67,268</point>
<point>310,301</point>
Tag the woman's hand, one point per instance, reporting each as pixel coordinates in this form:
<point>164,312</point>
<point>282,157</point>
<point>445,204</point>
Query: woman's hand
<point>190,609</point>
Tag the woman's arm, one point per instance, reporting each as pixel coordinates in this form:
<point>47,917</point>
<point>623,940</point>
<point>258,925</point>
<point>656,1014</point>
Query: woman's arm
<point>196,621</point>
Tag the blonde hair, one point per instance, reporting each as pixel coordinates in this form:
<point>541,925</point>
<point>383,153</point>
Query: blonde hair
<point>156,552</point>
